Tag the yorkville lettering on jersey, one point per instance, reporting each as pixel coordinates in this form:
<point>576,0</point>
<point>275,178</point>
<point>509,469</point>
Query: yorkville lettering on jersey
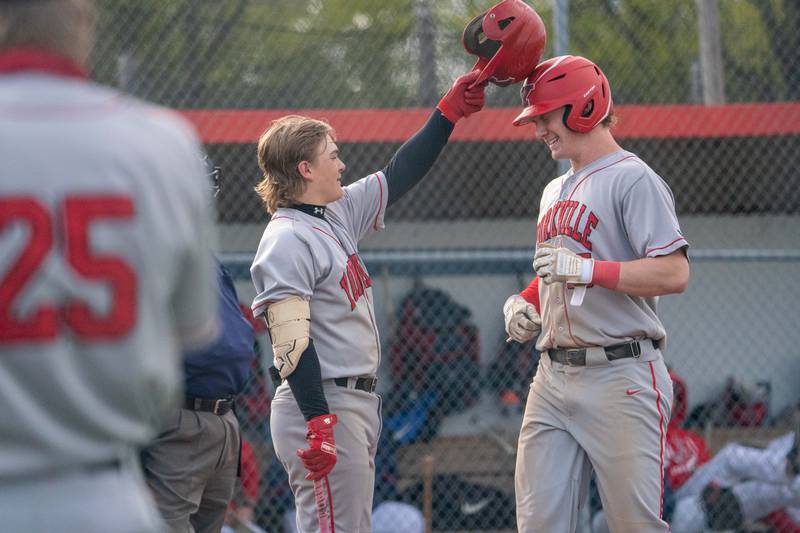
<point>354,280</point>
<point>566,217</point>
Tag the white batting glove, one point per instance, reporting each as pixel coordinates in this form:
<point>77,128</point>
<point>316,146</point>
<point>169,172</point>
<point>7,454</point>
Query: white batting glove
<point>562,265</point>
<point>523,323</point>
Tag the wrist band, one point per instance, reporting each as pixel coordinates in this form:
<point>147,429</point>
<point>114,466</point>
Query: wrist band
<point>606,274</point>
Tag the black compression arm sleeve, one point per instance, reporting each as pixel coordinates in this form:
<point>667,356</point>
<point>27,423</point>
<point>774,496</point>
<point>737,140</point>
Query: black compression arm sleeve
<point>306,384</point>
<point>416,157</point>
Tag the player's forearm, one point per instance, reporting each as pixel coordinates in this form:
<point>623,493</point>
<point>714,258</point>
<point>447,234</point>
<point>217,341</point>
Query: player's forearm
<point>306,384</point>
<point>654,276</point>
<point>417,155</point>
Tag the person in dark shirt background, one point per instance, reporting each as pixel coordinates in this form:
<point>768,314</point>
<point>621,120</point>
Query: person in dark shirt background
<point>191,467</point>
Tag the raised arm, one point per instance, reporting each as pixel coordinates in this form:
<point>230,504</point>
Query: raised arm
<point>416,156</point>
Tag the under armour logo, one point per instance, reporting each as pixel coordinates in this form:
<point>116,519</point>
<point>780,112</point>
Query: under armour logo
<point>319,210</point>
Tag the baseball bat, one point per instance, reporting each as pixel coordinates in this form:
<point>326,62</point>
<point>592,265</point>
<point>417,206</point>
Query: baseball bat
<point>427,492</point>
<point>322,494</point>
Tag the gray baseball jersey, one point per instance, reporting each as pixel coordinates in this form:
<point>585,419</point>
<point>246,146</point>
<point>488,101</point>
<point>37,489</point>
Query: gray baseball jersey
<point>606,417</point>
<point>105,271</point>
<point>317,259</point>
<point>615,209</point>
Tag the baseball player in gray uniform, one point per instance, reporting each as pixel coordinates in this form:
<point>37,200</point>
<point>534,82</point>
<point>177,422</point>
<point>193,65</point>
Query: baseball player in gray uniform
<point>316,295</point>
<point>608,244</point>
<point>105,273</point>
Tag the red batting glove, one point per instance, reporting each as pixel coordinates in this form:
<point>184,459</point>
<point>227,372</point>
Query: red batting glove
<point>320,457</point>
<point>460,101</point>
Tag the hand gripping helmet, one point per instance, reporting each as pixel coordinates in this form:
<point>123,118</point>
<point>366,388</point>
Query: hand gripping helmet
<point>572,82</point>
<point>508,40</point>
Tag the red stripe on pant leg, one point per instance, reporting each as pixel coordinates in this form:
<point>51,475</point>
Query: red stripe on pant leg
<point>661,437</point>
<point>330,503</point>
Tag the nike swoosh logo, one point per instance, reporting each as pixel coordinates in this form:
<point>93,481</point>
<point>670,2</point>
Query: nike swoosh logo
<point>472,508</point>
<point>631,392</point>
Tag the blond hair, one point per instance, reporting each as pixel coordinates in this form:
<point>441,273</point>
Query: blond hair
<point>63,26</point>
<point>610,121</point>
<point>286,143</point>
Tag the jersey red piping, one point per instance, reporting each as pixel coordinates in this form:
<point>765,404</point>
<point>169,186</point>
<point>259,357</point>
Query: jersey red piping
<point>566,313</point>
<point>27,59</point>
<point>662,247</point>
<point>586,177</point>
<point>372,319</point>
<point>661,438</point>
<point>331,236</point>
<point>256,309</point>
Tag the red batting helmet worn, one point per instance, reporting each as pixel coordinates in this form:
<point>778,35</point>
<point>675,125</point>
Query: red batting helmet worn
<point>572,82</point>
<point>508,40</point>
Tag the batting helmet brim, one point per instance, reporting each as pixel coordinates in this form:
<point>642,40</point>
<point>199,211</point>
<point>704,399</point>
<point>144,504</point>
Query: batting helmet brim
<point>533,111</point>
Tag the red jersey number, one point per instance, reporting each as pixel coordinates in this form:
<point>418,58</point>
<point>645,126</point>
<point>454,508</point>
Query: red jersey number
<point>79,213</point>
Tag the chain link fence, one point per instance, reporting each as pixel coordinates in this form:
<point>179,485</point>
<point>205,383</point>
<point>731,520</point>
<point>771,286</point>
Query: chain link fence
<point>706,92</point>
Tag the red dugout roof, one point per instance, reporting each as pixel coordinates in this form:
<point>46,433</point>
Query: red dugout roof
<point>494,123</point>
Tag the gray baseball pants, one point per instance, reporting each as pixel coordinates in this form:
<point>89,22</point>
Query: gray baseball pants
<point>611,418</point>
<point>352,480</point>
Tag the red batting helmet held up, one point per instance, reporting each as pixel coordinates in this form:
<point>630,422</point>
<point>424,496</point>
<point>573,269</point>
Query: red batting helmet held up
<point>508,40</point>
<point>572,82</point>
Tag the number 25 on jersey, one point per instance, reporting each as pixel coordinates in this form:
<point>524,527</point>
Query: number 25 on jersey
<point>77,213</point>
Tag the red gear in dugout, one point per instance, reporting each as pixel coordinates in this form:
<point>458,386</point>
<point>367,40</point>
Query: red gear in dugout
<point>508,39</point>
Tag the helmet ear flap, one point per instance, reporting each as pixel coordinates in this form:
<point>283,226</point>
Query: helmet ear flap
<point>566,119</point>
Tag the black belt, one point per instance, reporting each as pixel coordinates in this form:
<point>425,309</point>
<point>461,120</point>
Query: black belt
<point>577,356</point>
<point>365,383</point>
<point>218,406</point>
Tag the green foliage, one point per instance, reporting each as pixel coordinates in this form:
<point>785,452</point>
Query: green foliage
<point>366,53</point>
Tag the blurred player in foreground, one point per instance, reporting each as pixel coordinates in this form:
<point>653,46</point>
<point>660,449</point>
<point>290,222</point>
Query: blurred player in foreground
<point>105,276</point>
<point>191,467</point>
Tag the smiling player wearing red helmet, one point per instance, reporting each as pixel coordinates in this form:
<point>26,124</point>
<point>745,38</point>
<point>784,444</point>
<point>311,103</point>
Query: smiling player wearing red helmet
<point>608,244</point>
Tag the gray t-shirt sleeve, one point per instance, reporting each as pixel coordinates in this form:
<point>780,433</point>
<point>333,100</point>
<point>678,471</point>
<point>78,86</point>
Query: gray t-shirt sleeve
<point>283,267</point>
<point>363,205</point>
<point>648,214</point>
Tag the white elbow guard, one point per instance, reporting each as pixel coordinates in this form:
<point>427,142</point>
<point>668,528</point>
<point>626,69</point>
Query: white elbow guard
<point>289,322</point>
